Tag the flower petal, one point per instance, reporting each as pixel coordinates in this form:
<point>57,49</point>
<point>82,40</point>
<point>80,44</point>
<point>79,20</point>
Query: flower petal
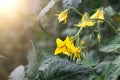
<point>59,42</point>
<point>99,14</point>
<point>58,51</point>
<point>63,16</point>
<point>76,52</point>
<point>67,42</point>
<point>90,23</point>
<point>85,21</point>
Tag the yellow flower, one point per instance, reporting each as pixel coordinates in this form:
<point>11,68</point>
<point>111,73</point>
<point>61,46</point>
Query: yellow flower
<point>76,52</point>
<point>62,17</point>
<point>63,46</point>
<point>85,21</point>
<point>99,14</point>
<point>67,47</point>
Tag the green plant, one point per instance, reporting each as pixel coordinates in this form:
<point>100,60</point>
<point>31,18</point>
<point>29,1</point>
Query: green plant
<point>75,58</point>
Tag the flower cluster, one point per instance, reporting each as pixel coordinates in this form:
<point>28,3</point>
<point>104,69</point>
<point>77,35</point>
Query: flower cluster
<point>86,20</point>
<point>67,46</point>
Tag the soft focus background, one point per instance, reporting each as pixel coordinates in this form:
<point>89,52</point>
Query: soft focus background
<point>17,27</point>
<point>19,24</point>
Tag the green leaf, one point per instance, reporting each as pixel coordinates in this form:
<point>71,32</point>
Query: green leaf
<point>109,10</point>
<point>46,9</point>
<point>91,60</point>
<point>69,31</point>
<point>32,62</point>
<point>44,58</point>
<point>113,70</point>
<point>111,44</point>
<point>44,65</point>
<point>70,3</point>
<point>18,73</point>
<point>65,70</point>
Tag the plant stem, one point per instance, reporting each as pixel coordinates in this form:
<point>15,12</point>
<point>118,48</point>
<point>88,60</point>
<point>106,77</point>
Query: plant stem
<point>96,75</point>
<point>111,26</point>
<point>107,23</point>
<point>71,57</point>
<point>78,39</point>
<point>76,11</point>
<point>79,31</point>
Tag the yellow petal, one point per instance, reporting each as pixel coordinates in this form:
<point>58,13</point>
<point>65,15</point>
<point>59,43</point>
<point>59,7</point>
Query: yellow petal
<point>65,21</point>
<point>76,52</point>
<point>85,21</point>
<point>81,24</point>
<point>85,17</point>
<point>66,51</point>
<point>90,23</point>
<point>99,14</point>
<point>58,51</point>
<point>63,16</point>
<point>77,55</point>
<point>67,42</point>
<point>95,15</point>
<point>59,42</point>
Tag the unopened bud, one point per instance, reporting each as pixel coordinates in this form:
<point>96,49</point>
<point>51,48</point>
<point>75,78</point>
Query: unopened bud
<point>82,42</point>
<point>98,37</point>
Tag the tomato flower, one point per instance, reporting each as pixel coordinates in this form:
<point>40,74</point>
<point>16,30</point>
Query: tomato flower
<point>67,47</point>
<point>62,17</point>
<point>99,14</point>
<point>85,21</point>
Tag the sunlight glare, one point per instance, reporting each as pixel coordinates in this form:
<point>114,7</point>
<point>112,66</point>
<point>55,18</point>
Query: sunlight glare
<point>7,5</point>
<point>11,12</point>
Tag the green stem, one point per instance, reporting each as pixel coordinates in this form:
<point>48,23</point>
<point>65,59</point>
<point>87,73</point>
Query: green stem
<point>107,23</point>
<point>96,75</point>
<point>76,11</point>
<point>111,26</point>
<point>75,60</point>
<point>77,44</point>
<point>71,57</point>
<point>79,32</point>
<point>78,39</point>
<point>98,38</point>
